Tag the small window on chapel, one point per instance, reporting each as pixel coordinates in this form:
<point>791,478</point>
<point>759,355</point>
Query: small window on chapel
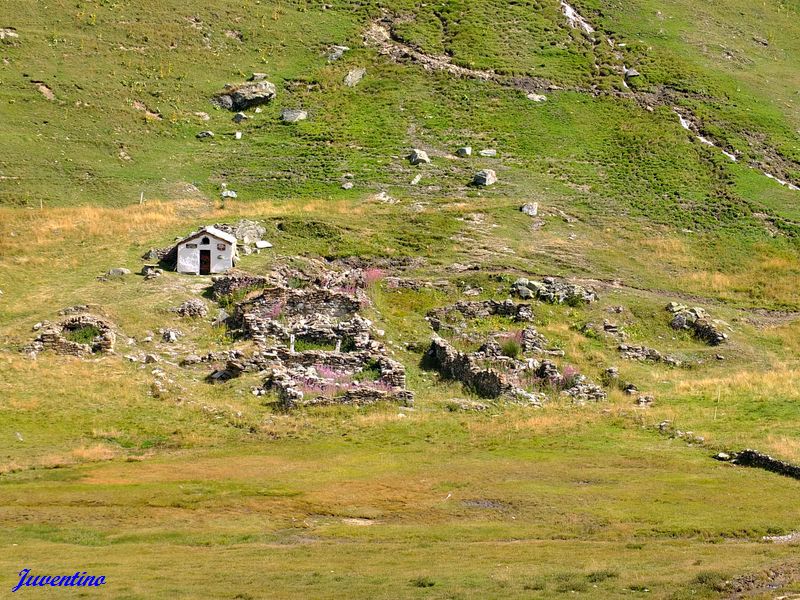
<point>205,241</point>
<point>221,246</point>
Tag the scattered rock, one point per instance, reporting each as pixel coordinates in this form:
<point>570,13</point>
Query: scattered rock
<point>150,114</point>
<point>347,185</point>
<point>193,307</point>
<point>244,96</point>
<point>417,179</point>
<point>170,335</point>
<point>228,194</point>
<point>203,116</point>
<point>336,53</point>
<point>565,217</point>
<point>257,77</point>
<point>554,291</point>
<point>151,271</point>
<point>151,358</point>
<point>293,115</point>
<point>697,320</point>
<point>630,73</point>
<point>418,157</point>
<point>205,134</point>
<point>8,34</point>
<point>222,317</point>
<point>383,197</point>
<point>645,401</point>
<point>645,353</point>
<point>354,76</point>
<point>118,272</point>
<point>485,177</point>
<point>44,90</point>
<point>464,151</point>
<point>723,456</point>
<point>488,152</point>
<point>239,117</point>
<point>262,244</point>
<point>192,359</point>
<point>531,209</point>
<point>536,97</point>
<point>237,135</point>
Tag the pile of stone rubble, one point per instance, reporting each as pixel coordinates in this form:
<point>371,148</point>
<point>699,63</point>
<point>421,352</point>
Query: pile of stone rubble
<point>552,290</point>
<point>696,320</point>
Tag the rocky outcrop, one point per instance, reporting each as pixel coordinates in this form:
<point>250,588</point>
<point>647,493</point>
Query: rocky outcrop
<point>245,95</point>
<point>554,291</point>
<point>649,354</point>
<point>696,319</point>
<point>245,231</point>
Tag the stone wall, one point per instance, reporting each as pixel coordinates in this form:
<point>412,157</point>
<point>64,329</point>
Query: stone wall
<point>53,336</point>
<point>473,310</point>
<point>233,281</point>
<point>753,458</point>
<point>488,382</point>
<point>452,364</point>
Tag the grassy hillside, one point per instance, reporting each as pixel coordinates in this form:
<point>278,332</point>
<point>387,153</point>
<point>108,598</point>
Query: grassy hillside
<point>209,491</point>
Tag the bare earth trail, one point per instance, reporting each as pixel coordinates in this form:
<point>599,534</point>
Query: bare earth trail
<point>380,35</point>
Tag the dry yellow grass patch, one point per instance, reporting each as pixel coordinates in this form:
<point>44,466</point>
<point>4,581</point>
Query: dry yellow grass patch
<point>55,461</point>
<point>372,419</point>
<point>668,250</point>
<point>94,453</point>
<point>784,447</point>
<point>42,226</point>
<point>780,381</point>
<point>107,433</point>
<point>51,225</point>
<point>713,280</point>
<point>10,467</point>
<point>541,421</point>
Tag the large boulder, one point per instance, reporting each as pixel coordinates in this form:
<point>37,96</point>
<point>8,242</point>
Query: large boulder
<point>293,115</point>
<point>246,95</point>
<point>245,231</point>
<point>354,76</point>
<point>485,177</point>
<point>418,157</point>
